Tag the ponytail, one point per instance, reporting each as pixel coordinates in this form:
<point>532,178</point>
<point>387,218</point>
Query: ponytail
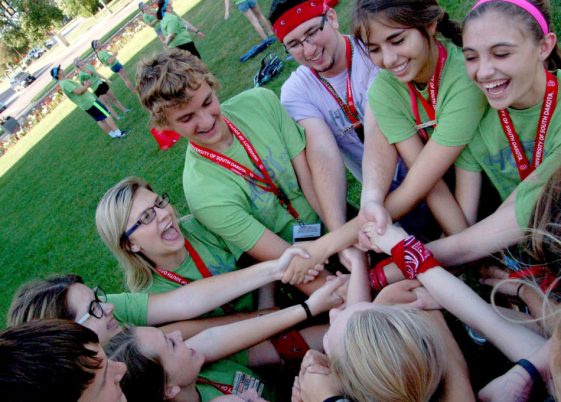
<point>450,29</point>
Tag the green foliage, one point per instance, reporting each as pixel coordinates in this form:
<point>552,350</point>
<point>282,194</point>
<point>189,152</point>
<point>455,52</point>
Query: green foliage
<point>38,18</point>
<point>84,8</point>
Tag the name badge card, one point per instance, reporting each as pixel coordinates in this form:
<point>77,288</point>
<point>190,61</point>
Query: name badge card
<point>306,232</point>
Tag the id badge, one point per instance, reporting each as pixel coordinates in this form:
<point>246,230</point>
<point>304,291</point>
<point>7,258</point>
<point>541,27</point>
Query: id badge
<point>306,232</point>
<point>243,382</point>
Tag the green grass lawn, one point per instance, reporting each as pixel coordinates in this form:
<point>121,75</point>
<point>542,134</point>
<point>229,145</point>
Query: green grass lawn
<point>51,181</point>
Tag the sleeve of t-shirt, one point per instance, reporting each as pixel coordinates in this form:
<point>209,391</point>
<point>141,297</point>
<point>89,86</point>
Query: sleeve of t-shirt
<point>233,223</point>
<point>528,192</point>
<point>174,25</point>
<point>395,122</point>
<point>294,98</point>
<point>292,134</point>
<point>467,161</point>
<point>130,308</point>
<point>460,113</point>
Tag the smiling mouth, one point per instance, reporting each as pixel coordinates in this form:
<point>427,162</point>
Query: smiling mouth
<point>397,70</point>
<point>170,232</point>
<point>209,131</point>
<point>495,87</point>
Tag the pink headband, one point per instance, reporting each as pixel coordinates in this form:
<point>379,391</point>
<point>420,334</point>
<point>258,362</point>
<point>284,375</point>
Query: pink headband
<point>526,6</point>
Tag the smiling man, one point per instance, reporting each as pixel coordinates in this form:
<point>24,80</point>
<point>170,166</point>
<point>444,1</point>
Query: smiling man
<point>327,96</point>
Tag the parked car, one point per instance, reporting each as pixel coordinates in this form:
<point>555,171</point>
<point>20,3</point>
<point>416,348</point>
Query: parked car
<point>3,107</point>
<point>49,43</point>
<point>36,52</point>
<point>21,80</point>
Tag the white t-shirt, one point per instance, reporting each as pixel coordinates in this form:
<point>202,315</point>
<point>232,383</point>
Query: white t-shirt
<point>304,96</point>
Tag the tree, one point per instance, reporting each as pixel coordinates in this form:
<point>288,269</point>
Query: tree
<point>84,8</point>
<point>38,18</point>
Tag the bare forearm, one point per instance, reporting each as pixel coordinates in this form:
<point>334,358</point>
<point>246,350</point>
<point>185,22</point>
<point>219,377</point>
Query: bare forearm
<point>205,295</point>
<point>445,209</point>
<point>513,340</point>
<point>190,328</point>
<point>244,334</point>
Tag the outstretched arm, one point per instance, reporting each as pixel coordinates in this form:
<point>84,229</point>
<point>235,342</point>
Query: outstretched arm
<point>513,340</point>
<point>205,295</point>
<point>219,342</point>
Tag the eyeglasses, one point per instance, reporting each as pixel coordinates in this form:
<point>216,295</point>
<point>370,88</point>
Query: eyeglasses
<point>298,45</point>
<point>149,214</point>
<point>95,309</point>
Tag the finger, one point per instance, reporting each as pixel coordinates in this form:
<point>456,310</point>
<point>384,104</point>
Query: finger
<point>410,284</point>
<point>297,251</point>
<point>498,273</point>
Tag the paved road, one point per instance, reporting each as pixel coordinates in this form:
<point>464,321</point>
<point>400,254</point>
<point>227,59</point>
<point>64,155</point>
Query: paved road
<point>19,103</point>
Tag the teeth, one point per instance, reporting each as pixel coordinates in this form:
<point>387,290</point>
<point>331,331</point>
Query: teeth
<point>494,84</point>
<point>399,68</point>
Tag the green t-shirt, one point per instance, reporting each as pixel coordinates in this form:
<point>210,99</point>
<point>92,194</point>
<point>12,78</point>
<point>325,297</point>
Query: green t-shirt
<point>529,190</point>
<point>83,101</point>
<point>92,75</point>
<point>132,308</point>
<point>104,57</point>
<point>459,105</point>
<point>489,151</point>
<point>149,19</point>
<point>222,372</point>
<point>172,24</point>
<point>226,203</point>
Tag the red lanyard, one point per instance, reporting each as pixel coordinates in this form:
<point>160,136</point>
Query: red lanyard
<point>199,263</point>
<point>434,83</point>
<point>224,388</point>
<point>548,108</point>
<point>265,182</point>
<point>348,108</point>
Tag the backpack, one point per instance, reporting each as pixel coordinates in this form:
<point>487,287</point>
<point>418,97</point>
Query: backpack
<point>271,66</point>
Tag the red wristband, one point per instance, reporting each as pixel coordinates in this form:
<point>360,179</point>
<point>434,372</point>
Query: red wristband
<point>377,276</point>
<point>412,257</point>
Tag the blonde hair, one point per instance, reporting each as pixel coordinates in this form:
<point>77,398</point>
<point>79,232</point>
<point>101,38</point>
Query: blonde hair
<point>167,80</point>
<point>111,218</point>
<point>389,354</point>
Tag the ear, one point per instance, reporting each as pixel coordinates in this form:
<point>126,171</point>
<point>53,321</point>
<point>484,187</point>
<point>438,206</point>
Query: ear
<point>431,28</point>
<point>171,391</point>
<point>134,248</point>
<point>547,45</point>
<point>332,18</point>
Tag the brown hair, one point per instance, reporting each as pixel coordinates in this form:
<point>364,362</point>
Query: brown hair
<point>415,14</point>
<point>167,80</point>
<point>145,378</point>
<point>47,360</point>
<point>512,11</point>
<point>43,298</point>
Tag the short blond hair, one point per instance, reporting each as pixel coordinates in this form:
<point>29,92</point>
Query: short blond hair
<point>167,80</point>
<point>389,354</point>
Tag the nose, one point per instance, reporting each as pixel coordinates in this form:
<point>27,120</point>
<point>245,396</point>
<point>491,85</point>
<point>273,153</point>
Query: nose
<point>308,48</point>
<point>484,69</point>
<point>333,314</point>
<point>206,119</point>
<point>389,58</point>
<point>176,336</point>
<point>107,308</point>
<point>118,370</point>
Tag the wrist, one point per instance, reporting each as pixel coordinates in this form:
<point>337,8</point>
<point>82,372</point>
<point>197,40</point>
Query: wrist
<point>305,305</point>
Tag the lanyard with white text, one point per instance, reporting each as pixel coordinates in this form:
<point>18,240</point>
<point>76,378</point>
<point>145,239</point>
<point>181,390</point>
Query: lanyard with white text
<point>265,182</point>
<point>224,388</point>
<point>433,84</point>
<point>548,108</point>
<point>199,263</point>
<point>348,108</point>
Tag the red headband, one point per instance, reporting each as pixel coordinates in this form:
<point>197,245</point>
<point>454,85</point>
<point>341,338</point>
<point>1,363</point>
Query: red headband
<point>297,15</point>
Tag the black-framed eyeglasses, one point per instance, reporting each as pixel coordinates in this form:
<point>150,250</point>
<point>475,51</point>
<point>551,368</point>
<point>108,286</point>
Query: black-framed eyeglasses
<point>298,45</point>
<point>149,214</point>
<point>95,309</point>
